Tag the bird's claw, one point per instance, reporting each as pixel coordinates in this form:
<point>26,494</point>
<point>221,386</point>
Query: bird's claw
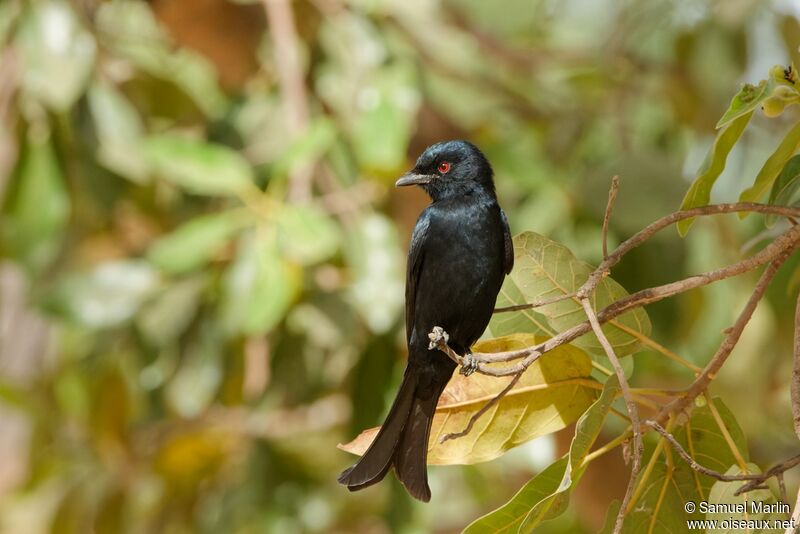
<point>438,337</point>
<point>469,365</point>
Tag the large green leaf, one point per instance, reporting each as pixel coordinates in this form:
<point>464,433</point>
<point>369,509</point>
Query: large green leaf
<point>661,504</point>
<point>198,166</point>
<point>551,394</point>
<point>699,193</point>
<point>545,269</point>
<point>540,499</point>
<point>38,205</point>
<point>196,242</point>
<point>774,164</point>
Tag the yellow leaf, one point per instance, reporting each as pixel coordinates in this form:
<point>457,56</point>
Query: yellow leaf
<point>552,393</point>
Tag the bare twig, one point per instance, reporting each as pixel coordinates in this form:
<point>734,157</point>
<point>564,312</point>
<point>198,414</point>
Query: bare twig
<point>633,411</point>
<point>612,197</point>
<point>754,480</point>
<point>293,90</point>
<point>709,372</point>
<point>477,415</point>
<point>795,516</point>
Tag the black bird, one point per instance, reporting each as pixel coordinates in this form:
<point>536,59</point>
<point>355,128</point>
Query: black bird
<point>460,251</point>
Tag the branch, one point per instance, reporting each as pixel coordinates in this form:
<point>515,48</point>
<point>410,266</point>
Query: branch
<point>633,411</point>
<point>726,347</point>
<point>753,479</point>
<point>640,237</point>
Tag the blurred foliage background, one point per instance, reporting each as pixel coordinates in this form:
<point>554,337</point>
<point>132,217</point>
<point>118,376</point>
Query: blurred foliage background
<point>202,254</point>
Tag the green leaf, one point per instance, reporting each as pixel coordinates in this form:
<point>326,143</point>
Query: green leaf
<point>769,172</point>
<point>545,269</point>
<point>38,205</point>
<point>167,316</point>
<point>699,193</point>
<point>258,288</point>
<point>747,100</point>
<point>722,496</point>
<point>199,167</point>
<point>531,505</point>
<point>197,381</point>
<point>784,189</point>
<point>57,52</point>
<point>108,295</point>
<point>119,131</point>
<point>197,241</point>
<point>553,392</point>
<point>306,235</point>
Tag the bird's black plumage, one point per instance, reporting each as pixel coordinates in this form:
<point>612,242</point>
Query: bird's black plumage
<point>460,251</point>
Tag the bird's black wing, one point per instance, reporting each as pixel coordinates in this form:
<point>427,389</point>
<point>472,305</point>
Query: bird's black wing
<point>416,254</point>
<point>508,245</point>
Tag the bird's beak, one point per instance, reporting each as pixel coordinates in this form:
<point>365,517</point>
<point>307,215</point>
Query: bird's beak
<point>412,178</point>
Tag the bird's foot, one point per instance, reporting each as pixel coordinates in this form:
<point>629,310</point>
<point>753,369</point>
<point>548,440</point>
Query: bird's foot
<point>469,364</point>
<point>438,338</point>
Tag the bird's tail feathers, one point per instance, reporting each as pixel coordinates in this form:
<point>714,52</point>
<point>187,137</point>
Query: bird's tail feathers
<point>377,461</point>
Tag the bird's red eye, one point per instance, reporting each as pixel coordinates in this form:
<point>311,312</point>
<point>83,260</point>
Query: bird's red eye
<point>444,167</point>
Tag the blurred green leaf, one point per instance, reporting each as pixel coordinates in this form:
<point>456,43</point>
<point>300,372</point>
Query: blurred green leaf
<point>390,99</point>
<point>119,131</point>
<point>699,194</point>
<point>38,205</point>
<point>132,31</point>
<point>373,254</point>
<point>544,269</point>
<point>108,295</point>
<point>199,167</point>
<point>259,287</point>
<point>533,503</point>
<point>58,54</point>
<point>547,398</point>
<point>307,235</point>
<point>197,241</point>
<point>769,172</point>
<point>163,319</point>
<point>307,148</point>
<point>195,384</point>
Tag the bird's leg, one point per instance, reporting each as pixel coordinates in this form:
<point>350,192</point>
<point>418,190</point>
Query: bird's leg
<point>438,340</point>
<point>469,364</point>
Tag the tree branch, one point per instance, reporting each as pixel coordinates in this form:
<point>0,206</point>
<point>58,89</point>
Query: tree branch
<point>753,479</point>
<point>633,411</point>
<point>612,197</point>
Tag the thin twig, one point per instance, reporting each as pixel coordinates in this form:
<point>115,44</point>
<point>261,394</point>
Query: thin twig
<point>477,415</point>
<point>792,529</point>
<point>612,197</point>
<point>753,479</point>
<point>536,304</point>
<point>633,411</point>
<point>709,372</point>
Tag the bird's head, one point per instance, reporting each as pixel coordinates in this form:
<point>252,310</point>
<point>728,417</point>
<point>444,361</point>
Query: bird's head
<point>450,169</point>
